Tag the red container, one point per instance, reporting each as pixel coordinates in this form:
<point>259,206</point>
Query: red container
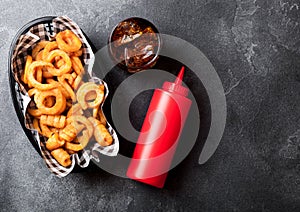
<point>160,133</point>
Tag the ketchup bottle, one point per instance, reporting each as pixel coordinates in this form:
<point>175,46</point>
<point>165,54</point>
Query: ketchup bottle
<point>160,133</point>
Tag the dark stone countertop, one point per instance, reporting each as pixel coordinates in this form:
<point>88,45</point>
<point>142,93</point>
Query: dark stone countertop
<point>255,48</point>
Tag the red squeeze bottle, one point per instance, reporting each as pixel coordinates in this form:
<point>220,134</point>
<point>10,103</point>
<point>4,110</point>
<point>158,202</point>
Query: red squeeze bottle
<point>160,133</point>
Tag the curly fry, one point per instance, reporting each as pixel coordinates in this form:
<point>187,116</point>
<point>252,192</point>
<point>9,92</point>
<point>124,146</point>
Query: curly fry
<point>69,133</point>
<point>46,73</point>
<point>59,63</point>
<point>81,120</point>
<point>31,72</point>
<point>57,121</point>
<point>64,69</point>
<point>57,108</point>
<point>69,78</point>
<point>72,78</point>
<point>101,134</point>
<point>34,112</point>
<point>48,48</point>
<point>32,91</point>
<point>63,82</point>
<point>102,118</point>
<point>84,90</point>
<point>76,54</point>
<point>77,82</point>
<point>39,75</point>
<point>37,49</point>
<point>45,130</point>
<point>77,65</point>
<point>83,141</point>
<point>28,63</point>
<point>59,86</point>
<point>95,112</point>
<point>62,157</point>
<point>39,56</point>
<point>75,110</point>
<point>72,46</point>
<point>54,142</point>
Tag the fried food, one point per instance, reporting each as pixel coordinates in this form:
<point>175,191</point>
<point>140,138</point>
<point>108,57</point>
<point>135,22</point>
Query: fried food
<point>76,54</point>
<point>46,73</point>
<point>39,56</point>
<point>101,134</point>
<point>68,41</point>
<point>59,63</point>
<point>69,133</point>
<point>57,108</point>
<point>77,65</point>
<point>32,72</point>
<point>62,157</point>
<point>48,48</point>
<point>59,86</point>
<point>75,110</point>
<point>45,130</point>
<point>32,91</point>
<point>53,73</point>
<point>34,112</point>
<point>66,86</point>
<point>37,49</point>
<point>101,117</point>
<point>58,121</point>
<point>54,142</point>
<point>83,141</point>
<point>81,120</point>
<point>77,82</point>
<point>28,63</point>
<point>87,89</point>
<point>65,68</point>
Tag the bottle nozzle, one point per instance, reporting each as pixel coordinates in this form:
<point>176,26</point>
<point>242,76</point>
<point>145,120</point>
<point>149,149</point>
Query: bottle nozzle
<point>177,85</point>
<point>179,78</point>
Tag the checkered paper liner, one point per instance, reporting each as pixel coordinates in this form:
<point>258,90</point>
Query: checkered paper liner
<point>24,45</point>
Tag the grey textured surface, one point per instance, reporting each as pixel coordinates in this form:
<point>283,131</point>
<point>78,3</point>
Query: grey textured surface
<point>255,48</point>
